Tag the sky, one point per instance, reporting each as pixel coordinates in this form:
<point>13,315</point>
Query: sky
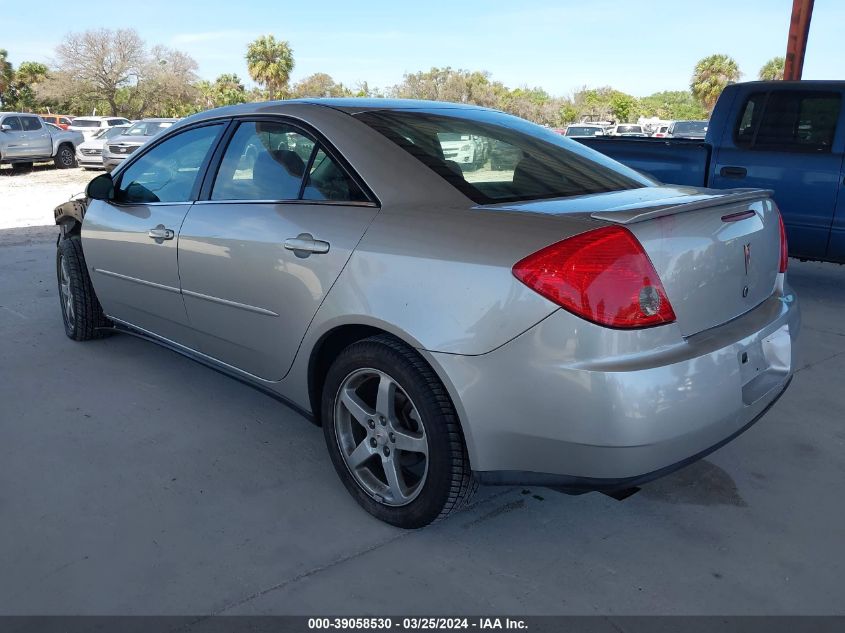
<point>637,46</point>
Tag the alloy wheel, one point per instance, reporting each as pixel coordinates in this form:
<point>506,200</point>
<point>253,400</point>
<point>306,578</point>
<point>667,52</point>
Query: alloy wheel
<point>66,294</point>
<point>381,437</point>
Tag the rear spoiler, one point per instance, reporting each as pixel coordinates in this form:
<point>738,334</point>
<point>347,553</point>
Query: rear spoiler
<point>729,196</point>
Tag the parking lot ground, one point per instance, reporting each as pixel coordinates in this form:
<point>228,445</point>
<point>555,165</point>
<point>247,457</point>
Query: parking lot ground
<point>133,480</point>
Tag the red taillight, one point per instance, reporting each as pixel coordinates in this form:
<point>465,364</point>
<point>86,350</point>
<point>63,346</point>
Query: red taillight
<point>603,276</point>
<point>784,247</point>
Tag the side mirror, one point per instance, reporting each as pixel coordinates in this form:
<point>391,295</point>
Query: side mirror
<point>101,188</point>
<point>5,127</point>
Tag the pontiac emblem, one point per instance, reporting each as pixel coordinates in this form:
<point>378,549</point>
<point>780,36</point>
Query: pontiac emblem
<point>747,251</point>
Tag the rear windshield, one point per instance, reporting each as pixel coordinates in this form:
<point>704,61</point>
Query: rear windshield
<point>629,129</point>
<point>147,128</point>
<point>85,123</point>
<point>690,127</point>
<point>582,131</point>
<point>502,158</point>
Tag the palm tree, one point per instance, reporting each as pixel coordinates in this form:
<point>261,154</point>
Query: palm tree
<point>772,69</point>
<point>7,74</point>
<point>710,77</point>
<point>269,63</point>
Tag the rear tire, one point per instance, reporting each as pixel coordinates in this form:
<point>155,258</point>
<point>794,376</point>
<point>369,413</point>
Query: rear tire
<point>420,420</point>
<point>82,313</point>
<point>66,157</point>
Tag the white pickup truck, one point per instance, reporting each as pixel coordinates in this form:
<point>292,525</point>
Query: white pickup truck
<point>26,139</point>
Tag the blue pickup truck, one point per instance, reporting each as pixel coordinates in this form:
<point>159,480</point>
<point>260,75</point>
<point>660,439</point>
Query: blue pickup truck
<point>787,136</point>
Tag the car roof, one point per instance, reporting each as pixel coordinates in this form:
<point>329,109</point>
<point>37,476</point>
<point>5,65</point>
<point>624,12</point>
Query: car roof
<point>351,105</point>
<point>158,120</point>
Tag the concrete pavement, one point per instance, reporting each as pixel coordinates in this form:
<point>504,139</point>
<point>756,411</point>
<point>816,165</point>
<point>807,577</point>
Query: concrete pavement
<point>133,480</point>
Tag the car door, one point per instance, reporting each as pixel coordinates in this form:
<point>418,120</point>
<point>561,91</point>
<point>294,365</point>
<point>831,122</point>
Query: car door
<point>38,137</point>
<point>788,141</point>
<point>130,242</point>
<point>257,257</point>
<point>14,140</point>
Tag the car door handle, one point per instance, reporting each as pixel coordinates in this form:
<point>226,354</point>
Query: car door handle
<point>304,244</point>
<point>733,172</point>
<point>161,233</point>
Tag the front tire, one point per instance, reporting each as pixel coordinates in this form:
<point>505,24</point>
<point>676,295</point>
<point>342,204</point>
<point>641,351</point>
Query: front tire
<point>82,313</point>
<point>65,158</point>
<point>393,435</point>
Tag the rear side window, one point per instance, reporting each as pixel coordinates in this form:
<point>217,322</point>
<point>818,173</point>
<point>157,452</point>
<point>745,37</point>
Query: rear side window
<point>30,123</point>
<point>268,160</point>
<point>169,171</point>
<point>789,121</point>
<point>328,181</point>
<point>493,157</point>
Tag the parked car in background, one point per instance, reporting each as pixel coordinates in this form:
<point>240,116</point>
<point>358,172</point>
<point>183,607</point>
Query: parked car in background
<point>62,120</point>
<point>787,136</point>
<point>687,129</point>
<point>118,148</point>
<point>580,130</point>
<point>57,132</point>
<point>504,156</point>
<point>91,125</point>
<point>660,131</point>
<point>89,154</point>
<point>466,150</point>
<point>625,129</point>
<point>26,139</point>
<point>570,323</point>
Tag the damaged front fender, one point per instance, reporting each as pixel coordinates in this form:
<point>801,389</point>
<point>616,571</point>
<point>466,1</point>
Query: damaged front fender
<point>69,215</point>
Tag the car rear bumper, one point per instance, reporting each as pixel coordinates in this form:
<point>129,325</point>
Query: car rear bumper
<point>573,404</point>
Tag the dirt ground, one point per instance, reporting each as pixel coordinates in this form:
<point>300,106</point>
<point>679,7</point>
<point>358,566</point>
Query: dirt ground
<point>28,199</point>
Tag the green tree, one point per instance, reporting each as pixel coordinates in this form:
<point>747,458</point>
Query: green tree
<point>710,77</point>
<point>772,69</point>
<point>7,76</point>
<point>227,89</point>
<point>673,104</point>
<point>624,107</point>
<point>27,78</point>
<point>320,85</point>
<point>270,63</point>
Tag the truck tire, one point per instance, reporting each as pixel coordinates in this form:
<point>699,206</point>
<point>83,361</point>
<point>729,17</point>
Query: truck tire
<point>65,158</point>
<point>82,313</point>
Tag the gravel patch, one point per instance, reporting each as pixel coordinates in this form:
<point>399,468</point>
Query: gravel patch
<point>28,199</point>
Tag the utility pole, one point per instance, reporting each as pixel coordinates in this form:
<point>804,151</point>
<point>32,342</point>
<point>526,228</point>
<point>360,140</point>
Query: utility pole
<point>796,43</point>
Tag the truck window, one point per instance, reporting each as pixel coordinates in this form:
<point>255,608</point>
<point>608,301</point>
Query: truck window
<point>30,123</point>
<point>13,122</point>
<point>789,121</point>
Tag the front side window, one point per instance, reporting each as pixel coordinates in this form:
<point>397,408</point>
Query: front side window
<point>30,123</point>
<point>494,157</point>
<point>13,122</point>
<point>170,170</point>
<point>789,121</point>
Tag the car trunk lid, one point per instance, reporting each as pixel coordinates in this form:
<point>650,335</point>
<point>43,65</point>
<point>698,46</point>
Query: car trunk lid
<point>717,253</point>
<point>717,257</point>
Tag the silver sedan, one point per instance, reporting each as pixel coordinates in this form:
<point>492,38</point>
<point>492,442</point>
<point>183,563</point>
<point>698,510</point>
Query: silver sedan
<point>549,318</point>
